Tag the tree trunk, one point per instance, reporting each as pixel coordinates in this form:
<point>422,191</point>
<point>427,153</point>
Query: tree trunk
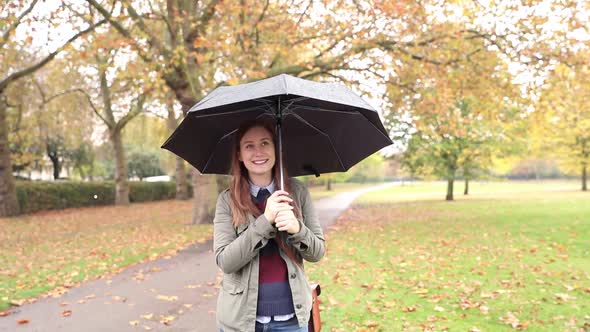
<point>450,182</point>
<point>466,191</point>
<point>55,162</point>
<point>180,172</point>
<point>121,184</point>
<point>181,183</point>
<point>8,200</point>
<point>203,191</point>
<point>584,177</point>
<point>222,183</point>
<point>329,184</point>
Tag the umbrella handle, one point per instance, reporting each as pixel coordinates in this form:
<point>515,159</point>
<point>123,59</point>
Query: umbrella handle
<point>280,134</point>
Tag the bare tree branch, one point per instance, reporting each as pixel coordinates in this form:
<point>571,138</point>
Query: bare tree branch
<point>121,29</point>
<point>303,14</point>
<point>204,20</point>
<point>134,112</point>
<point>27,71</point>
<point>16,23</point>
<point>152,39</point>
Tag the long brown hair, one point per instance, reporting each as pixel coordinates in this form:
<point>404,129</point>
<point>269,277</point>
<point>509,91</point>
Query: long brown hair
<point>241,198</point>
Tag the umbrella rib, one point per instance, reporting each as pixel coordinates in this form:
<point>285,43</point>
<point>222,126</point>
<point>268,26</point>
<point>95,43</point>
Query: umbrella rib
<point>321,132</point>
<point>312,108</point>
<point>287,108</point>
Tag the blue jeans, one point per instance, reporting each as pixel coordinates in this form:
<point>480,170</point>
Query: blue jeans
<point>291,325</point>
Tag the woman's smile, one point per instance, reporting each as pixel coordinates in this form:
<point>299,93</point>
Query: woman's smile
<point>257,152</point>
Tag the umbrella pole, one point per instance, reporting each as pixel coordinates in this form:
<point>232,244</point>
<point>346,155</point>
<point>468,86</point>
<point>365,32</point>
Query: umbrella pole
<point>280,134</point>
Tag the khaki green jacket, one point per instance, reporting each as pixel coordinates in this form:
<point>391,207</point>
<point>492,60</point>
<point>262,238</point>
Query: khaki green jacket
<point>236,253</point>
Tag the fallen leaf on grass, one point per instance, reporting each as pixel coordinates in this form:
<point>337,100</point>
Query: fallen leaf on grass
<point>409,309</point>
<point>18,303</point>
<point>147,316</point>
<point>66,313</point>
<point>63,304</point>
<point>5,313</point>
<point>187,305</point>
<point>421,291</point>
<point>23,321</point>
<point>587,290</point>
<point>332,301</point>
<point>134,323</point>
<point>389,304</point>
<point>439,309</point>
<point>513,321</point>
<point>371,323</point>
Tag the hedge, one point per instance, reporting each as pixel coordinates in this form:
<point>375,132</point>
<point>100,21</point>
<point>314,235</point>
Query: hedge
<point>41,195</point>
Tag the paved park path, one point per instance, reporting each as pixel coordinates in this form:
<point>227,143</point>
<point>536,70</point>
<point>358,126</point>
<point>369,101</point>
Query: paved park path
<point>176,294</point>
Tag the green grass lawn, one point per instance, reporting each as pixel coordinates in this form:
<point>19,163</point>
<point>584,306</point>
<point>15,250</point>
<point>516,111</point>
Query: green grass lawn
<point>48,252</point>
<point>510,256</point>
<point>319,192</point>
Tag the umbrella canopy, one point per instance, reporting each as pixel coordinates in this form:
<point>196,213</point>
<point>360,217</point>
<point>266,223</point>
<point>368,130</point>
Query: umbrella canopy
<point>325,126</point>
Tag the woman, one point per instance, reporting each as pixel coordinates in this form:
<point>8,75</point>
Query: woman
<point>263,289</point>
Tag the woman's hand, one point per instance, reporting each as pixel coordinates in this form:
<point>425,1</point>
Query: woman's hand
<point>277,202</point>
<point>287,222</point>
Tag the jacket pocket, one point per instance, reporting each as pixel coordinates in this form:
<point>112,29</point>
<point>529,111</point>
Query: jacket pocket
<point>232,284</point>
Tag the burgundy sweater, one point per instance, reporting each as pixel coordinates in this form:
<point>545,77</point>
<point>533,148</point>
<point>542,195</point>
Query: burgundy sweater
<point>274,292</point>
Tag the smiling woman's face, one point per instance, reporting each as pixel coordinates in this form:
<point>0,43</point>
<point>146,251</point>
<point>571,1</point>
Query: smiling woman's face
<point>257,152</point>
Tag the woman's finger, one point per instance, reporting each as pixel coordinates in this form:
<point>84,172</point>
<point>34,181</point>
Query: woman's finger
<point>280,199</point>
<point>279,192</point>
<point>282,207</point>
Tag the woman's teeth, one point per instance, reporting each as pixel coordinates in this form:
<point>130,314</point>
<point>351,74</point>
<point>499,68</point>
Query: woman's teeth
<point>259,162</point>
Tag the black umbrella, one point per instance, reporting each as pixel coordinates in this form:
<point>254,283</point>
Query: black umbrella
<point>323,127</point>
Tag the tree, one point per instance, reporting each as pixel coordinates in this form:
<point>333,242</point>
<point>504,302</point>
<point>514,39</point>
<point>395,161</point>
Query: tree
<point>81,159</point>
<point>565,117</point>
<point>196,46</point>
<point>144,163</point>
<point>123,98</point>
<point>453,118</point>
<point>14,15</point>
<point>180,170</point>
<point>61,114</point>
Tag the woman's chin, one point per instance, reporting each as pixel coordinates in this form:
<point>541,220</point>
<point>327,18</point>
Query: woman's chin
<point>261,170</point>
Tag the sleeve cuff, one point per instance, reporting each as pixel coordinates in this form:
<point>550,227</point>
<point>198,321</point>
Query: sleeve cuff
<point>264,228</point>
<point>297,238</point>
